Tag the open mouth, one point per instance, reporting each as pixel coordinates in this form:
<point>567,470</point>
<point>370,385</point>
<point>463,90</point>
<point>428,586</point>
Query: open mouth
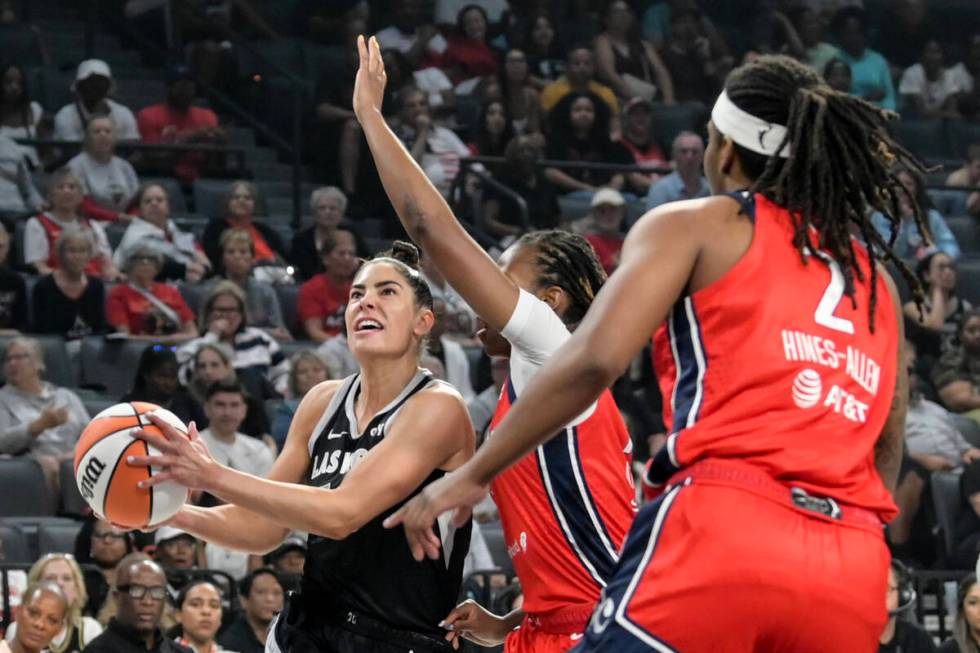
<point>366,324</point>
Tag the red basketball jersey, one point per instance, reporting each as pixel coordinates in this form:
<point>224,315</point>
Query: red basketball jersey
<point>774,365</point>
<point>565,507</point>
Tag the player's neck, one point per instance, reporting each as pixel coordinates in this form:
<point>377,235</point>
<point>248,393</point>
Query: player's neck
<point>381,382</point>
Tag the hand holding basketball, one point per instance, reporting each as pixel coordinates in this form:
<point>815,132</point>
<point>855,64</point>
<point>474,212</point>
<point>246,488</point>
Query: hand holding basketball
<point>369,85</point>
<point>184,459</point>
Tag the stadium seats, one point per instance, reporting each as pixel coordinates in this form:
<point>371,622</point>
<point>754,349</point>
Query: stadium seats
<point>109,365</point>
<point>58,368</point>
<point>293,347</point>
<point>57,537</point>
<point>493,533</point>
<point>23,488</point>
<point>948,505</point>
<point>193,294</point>
<point>288,296</point>
<point>968,280</point>
<point>924,138</point>
<point>961,135</point>
<point>72,503</point>
<point>668,121</point>
<point>967,232</point>
<point>15,549</point>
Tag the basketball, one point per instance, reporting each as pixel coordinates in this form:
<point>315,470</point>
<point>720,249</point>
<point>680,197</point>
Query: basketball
<point>108,483</point>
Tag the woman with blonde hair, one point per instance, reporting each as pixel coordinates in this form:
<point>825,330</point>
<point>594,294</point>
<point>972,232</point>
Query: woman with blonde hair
<point>78,631</point>
<point>306,369</point>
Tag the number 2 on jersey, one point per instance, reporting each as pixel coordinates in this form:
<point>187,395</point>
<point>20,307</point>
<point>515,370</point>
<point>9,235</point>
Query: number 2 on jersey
<point>824,315</point>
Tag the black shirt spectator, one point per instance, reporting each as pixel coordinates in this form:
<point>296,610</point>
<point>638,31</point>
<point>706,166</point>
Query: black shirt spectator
<point>909,638</point>
<point>13,301</point>
<point>56,313</point>
<point>697,71</point>
<point>122,638</point>
<point>240,637</point>
<point>501,215</point>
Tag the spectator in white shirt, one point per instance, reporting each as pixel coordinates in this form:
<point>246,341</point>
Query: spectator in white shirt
<point>966,71</point>
<point>438,150</point>
<point>225,408</point>
<point>410,34</point>
<point>928,88</point>
<point>108,180</point>
<point>92,85</point>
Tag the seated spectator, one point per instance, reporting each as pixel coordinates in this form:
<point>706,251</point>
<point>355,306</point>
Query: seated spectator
<point>837,74</point>
<point>969,176</point>
<point>436,149</point>
<point>579,77</point>
<point>965,72</point>
<point>156,377</point>
<point>261,597</point>
<point>224,405</point>
<point>199,614</point>
<point>212,363</point>
<point>698,72</point>
<point>140,594</point>
<point>13,292</point>
<point>92,86</point>
<point>338,356</point>
<point>410,34</point>
<point>494,130</point>
<point>580,133</point>
<point>36,416</point>
<point>449,353</point>
<point>909,244</point>
<point>872,77</point>
<point>956,376</point>
<point>144,309</point>
<point>638,137</point>
<point>18,195</point>
<point>942,308</point>
<point>627,63</point>
<point>519,94</point>
<point>605,233</point>
<point>446,12</point>
<point>176,551</point>
<point>817,52</point>
<point>177,121</point>
<point>545,61</point>
<point>928,88</point>
<point>322,300</point>
<point>901,635</point>
<point>460,320</point>
<point>109,183</point>
<point>240,206</point>
<point>329,204</point>
<point>42,231</point>
<point>183,258</point>
<point>966,626</point>
<point>500,215</point>
<point>102,545</point>
<point>257,358</point>
<point>932,437</point>
<point>77,631</point>
<point>306,369</point>
<point>20,115</point>
<point>468,52</point>
<point>686,182</point>
<point>288,560</point>
<point>68,302</point>
<point>40,617</point>
<point>236,265</point>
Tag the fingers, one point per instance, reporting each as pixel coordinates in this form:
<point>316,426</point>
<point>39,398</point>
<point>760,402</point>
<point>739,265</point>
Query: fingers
<point>192,432</point>
<point>156,479</point>
<point>362,50</point>
<point>154,440</point>
<point>396,518</point>
<point>150,461</point>
<point>376,63</point>
<point>431,544</point>
<point>169,430</point>
<point>462,613</point>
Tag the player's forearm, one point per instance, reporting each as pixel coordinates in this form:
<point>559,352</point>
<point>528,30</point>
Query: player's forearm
<point>232,527</point>
<point>888,449</point>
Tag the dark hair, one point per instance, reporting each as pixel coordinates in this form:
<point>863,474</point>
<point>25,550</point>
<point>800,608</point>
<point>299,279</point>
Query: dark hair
<point>925,263</point>
<point>966,317</point>
<point>579,45</point>
<point>841,165</point>
<point>245,585</point>
<point>152,358</point>
<point>568,261</point>
<point>186,589</point>
<point>846,14</point>
<point>920,197</point>
<point>330,242</point>
<point>147,186</point>
<point>25,93</point>
<point>83,541</point>
<point>484,142</point>
<point>961,631</point>
<point>554,49</point>
<point>560,118</point>
<point>836,61</point>
<point>229,385</point>
<point>404,257</point>
<point>465,10</point>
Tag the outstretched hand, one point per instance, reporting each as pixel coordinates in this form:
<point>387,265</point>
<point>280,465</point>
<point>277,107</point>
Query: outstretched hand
<point>369,85</point>
<point>184,458</point>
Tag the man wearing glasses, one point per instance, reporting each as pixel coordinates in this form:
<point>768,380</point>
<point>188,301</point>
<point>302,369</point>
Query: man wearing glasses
<point>140,594</point>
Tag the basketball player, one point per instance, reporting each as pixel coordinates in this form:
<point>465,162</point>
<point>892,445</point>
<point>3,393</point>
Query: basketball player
<point>565,507</point>
<point>777,342</point>
<point>356,450</point>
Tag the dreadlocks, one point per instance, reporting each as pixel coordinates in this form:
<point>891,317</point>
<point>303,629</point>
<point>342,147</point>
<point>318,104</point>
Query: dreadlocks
<point>568,261</point>
<point>841,165</point>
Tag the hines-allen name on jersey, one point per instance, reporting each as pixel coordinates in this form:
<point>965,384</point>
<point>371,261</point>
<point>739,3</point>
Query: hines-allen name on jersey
<point>808,348</point>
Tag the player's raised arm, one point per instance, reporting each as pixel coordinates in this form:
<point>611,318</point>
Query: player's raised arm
<point>421,208</point>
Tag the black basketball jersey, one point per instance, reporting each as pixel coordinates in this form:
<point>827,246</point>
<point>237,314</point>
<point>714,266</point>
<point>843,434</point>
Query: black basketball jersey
<point>372,570</point>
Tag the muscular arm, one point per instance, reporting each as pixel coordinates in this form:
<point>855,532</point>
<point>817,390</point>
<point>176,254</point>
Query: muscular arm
<point>888,450</point>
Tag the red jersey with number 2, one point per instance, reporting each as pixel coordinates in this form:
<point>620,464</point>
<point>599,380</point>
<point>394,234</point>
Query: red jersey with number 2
<point>774,365</point>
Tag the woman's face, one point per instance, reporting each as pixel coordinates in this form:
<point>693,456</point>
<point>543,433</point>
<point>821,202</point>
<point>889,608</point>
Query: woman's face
<point>942,272</point>
<point>13,85</point>
<point>200,614</point>
<point>620,18</point>
<point>77,254</point>
<point>308,374</point>
<point>144,267</point>
<point>237,259</point>
<point>474,25</point>
<point>328,212</point>
<point>101,140</point>
<point>971,608</point>
<point>19,366</point>
<point>226,307</point>
<point>970,336</point>
<point>66,194</point>
<point>108,544</point>
<point>381,316</point>
<point>162,380</point>
<point>582,114</point>
<point>341,261</point>
<point>209,366</point>
<point>515,65</point>
<point>155,206</point>
<point>543,33</point>
<point>495,120</point>
<point>932,57</point>
<point>39,621</point>
<point>241,203</point>
<point>60,572</point>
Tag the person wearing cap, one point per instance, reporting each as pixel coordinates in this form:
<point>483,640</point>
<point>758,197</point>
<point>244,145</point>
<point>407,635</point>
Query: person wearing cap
<point>638,137</point>
<point>175,549</point>
<point>290,556</point>
<point>176,121</point>
<point>92,85</point>
<point>686,182</point>
<point>606,237</point>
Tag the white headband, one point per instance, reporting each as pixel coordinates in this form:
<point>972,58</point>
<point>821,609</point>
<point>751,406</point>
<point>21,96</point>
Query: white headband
<point>760,136</point>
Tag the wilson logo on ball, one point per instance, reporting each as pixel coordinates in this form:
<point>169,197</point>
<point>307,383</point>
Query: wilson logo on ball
<point>807,389</point>
<point>93,470</point>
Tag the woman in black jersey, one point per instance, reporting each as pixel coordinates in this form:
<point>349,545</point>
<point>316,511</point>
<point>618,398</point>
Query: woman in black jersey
<point>356,451</point>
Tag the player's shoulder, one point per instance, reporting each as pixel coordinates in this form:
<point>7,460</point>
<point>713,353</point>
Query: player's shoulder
<point>695,218</point>
<point>319,396</point>
<point>438,395</point>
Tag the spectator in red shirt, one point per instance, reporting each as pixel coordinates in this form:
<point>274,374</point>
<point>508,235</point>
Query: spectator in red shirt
<point>638,137</point>
<point>176,121</point>
<point>468,54</point>
<point>144,309</point>
<point>608,211</point>
<point>322,299</point>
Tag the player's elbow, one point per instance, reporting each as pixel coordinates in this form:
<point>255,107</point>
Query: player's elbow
<point>338,524</point>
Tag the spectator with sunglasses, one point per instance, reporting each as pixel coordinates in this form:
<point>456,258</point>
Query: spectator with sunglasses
<point>102,545</point>
<point>140,594</point>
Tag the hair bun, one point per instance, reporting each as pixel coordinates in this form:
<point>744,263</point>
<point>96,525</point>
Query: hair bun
<point>404,252</point>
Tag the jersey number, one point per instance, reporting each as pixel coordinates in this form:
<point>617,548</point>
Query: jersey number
<point>824,315</point>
